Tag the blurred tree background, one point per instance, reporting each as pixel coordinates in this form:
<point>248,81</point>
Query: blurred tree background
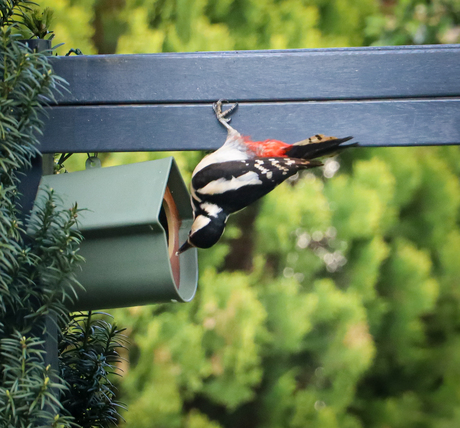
<point>333,302</point>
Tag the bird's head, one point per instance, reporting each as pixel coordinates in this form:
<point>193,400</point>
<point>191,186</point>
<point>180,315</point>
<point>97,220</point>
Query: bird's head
<point>206,231</point>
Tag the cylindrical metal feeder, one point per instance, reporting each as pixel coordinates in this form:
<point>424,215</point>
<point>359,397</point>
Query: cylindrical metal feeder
<point>133,221</point>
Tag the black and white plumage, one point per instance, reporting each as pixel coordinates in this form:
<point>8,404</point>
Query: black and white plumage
<point>242,171</point>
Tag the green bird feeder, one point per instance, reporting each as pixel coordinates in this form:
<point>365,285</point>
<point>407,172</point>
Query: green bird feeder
<point>133,221</point>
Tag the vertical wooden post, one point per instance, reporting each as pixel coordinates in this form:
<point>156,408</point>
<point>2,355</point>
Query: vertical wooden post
<point>51,334</point>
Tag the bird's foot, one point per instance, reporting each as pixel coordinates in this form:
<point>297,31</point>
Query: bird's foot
<point>222,114</point>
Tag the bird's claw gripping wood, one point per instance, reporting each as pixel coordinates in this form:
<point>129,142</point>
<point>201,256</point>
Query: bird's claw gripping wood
<point>222,115</point>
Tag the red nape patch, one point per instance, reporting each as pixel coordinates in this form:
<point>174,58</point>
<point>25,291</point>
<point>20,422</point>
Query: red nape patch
<point>268,148</point>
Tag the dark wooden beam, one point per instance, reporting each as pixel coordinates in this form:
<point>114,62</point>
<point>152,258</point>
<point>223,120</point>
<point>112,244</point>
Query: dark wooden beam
<point>295,75</point>
<point>382,96</point>
<point>190,127</point>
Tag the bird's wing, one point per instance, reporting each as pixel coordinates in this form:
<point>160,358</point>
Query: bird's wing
<point>235,184</point>
<point>279,167</point>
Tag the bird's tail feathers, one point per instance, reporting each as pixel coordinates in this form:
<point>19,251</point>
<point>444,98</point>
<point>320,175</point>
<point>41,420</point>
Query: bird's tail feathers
<point>317,146</point>
<point>314,163</point>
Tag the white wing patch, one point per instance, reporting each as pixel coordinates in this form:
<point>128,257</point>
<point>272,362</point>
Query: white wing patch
<point>211,209</point>
<point>259,164</point>
<point>222,185</point>
<point>277,164</point>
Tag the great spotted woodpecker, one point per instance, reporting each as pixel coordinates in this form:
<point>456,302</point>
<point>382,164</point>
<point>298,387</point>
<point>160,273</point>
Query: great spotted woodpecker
<point>242,171</point>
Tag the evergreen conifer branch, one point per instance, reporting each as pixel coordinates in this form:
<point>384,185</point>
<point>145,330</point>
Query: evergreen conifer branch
<point>89,354</point>
<point>38,261</point>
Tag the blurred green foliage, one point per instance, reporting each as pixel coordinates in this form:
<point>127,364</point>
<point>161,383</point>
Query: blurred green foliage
<point>342,309</point>
<point>408,22</point>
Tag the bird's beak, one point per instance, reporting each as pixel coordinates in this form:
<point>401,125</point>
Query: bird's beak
<point>184,247</point>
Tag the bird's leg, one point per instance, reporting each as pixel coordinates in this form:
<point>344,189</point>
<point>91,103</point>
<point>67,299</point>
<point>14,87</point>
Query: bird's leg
<point>222,115</point>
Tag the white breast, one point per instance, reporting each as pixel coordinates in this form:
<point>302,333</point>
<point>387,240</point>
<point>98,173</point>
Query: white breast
<point>234,149</point>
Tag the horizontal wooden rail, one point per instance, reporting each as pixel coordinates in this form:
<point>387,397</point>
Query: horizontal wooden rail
<point>383,96</point>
